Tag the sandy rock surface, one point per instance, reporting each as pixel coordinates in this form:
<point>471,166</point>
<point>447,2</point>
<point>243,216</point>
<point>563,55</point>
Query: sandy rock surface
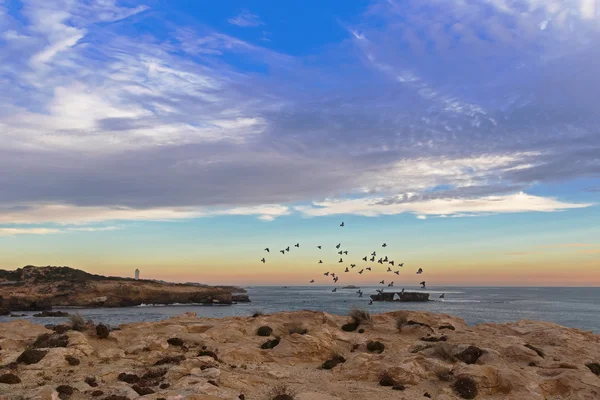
<point>185,357</point>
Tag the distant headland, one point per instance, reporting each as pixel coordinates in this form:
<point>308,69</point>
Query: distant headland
<point>34,288</point>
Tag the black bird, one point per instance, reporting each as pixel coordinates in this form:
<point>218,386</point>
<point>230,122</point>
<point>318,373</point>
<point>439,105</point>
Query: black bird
<point>340,252</point>
<point>373,254</point>
<point>297,245</point>
<point>338,246</point>
<point>336,279</point>
<point>312,281</point>
<point>319,247</point>
<point>352,265</point>
<point>364,258</point>
<point>392,262</point>
<point>342,224</point>
<point>333,274</point>
<point>391,284</point>
<point>346,252</point>
<point>361,271</point>
<point>347,270</point>
<point>326,274</point>
<point>389,269</point>
<point>380,261</point>
<point>422,285</point>
<point>384,245</point>
<point>287,248</point>
<point>420,271</point>
<point>320,261</point>
<point>382,282</point>
<point>334,290</point>
<point>385,259</point>
<point>380,291</point>
<point>360,294</point>
<point>443,295</point>
<point>372,259</point>
<point>267,250</point>
<point>370,302</point>
<point>263,260</point>
<point>401,265</point>
<point>282,251</point>
<point>341,261</point>
<point>368,269</point>
<point>397,272</point>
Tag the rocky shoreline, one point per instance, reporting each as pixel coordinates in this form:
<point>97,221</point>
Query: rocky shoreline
<point>300,355</point>
<point>41,288</point>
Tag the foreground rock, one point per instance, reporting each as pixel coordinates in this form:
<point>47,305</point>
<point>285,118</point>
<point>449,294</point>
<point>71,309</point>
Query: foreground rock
<point>41,288</point>
<point>199,358</point>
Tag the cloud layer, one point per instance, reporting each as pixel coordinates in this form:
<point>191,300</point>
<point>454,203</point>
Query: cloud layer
<point>426,107</point>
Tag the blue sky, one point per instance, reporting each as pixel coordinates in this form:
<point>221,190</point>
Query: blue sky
<point>128,123</point>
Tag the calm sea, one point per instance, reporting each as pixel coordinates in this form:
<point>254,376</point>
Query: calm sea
<point>572,307</point>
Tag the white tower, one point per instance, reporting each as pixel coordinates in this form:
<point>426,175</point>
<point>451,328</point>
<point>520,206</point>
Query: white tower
<point>137,274</point>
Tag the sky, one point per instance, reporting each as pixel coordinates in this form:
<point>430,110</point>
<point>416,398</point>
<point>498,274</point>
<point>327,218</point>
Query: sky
<point>182,138</point>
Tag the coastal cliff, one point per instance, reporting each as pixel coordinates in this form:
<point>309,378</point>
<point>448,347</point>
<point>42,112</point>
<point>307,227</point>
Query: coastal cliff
<point>305,355</point>
<point>41,288</point>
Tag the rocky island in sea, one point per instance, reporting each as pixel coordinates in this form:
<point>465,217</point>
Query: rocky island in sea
<point>302,355</point>
<point>40,288</point>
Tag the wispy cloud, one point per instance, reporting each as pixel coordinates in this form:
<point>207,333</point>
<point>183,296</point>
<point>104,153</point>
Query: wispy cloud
<point>246,19</point>
<point>27,231</point>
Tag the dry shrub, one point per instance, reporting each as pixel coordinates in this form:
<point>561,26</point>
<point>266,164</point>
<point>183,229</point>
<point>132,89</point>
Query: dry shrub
<point>359,316</point>
<point>401,320</point>
<point>77,322</point>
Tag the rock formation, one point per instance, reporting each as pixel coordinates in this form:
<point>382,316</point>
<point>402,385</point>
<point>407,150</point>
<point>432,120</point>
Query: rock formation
<point>402,296</point>
<point>186,357</point>
<point>41,288</point>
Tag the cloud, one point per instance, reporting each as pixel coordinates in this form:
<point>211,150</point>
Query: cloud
<point>27,231</point>
<point>454,111</point>
<point>246,19</point>
<point>372,207</point>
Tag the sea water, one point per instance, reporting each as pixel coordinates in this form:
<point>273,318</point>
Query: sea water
<point>572,307</point>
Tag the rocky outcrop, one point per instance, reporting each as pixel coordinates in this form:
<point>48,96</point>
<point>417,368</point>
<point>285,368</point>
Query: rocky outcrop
<point>34,289</point>
<point>401,296</point>
<point>186,357</point>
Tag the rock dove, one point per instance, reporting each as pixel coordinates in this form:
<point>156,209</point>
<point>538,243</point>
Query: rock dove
<point>380,261</point>
<point>297,245</point>
<point>334,290</point>
<point>372,259</point>
<point>347,270</point>
<point>397,272</point>
<point>401,265</point>
<point>326,274</point>
<point>384,245</point>
<point>267,250</point>
<point>346,252</point>
<point>338,246</point>
<point>341,261</point>
<point>385,259</point>
<point>336,279</point>
<point>312,281</point>
<point>443,295</point>
<point>391,284</point>
<point>319,247</point>
<point>420,271</point>
<point>320,261</point>
<point>389,269</point>
<point>340,252</point>
<point>391,262</point>
<point>422,285</point>
<point>352,265</point>
<point>382,282</point>
<point>361,271</point>
<point>368,269</point>
<point>282,251</point>
<point>342,224</point>
<point>287,248</point>
<point>263,260</point>
<point>373,254</point>
<point>364,258</point>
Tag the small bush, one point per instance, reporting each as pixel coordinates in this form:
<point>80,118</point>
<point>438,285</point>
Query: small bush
<point>359,316</point>
<point>470,355</point>
<point>444,374</point>
<point>77,322</point>
<point>375,347</point>
<point>401,320</point>
<point>297,328</point>
<point>465,387</point>
<point>443,351</point>
<point>264,331</point>
<point>91,381</point>
<point>257,314</point>
<point>385,379</point>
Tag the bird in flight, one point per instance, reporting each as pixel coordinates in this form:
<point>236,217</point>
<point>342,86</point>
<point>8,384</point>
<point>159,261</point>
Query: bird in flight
<point>336,279</point>
<point>267,250</point>
<point>352,265</point>
<point>326,274</point>
<point>422,285</point>
<point>361,271</point>
<point>342,224</point>
<point>319,247</point>
<point>380,261</point>
<point>372,259</point>
<point>297,245</point>
<point>389,269</point>
<point>320,261</point>
<point>334,290</point>
<point>384,245</point>
<point>340,252</point>
<point>382,282</point>
<point>385,259</point>
<point>282,251</point>
<point>397,272</point>
<point>338,246</point>
<point>347,270</point>
<point>392,262</point>
<point>287,248</point>
<point>365,258</point>
<point>391,284</point>
<point>420,271</point>
<point>346,252</point>
<point>373,254</point>
<point>401,265</point>
<point>312,281</point>
<point>368,269</point>
<point>263,260</point>
<point>341,261</point>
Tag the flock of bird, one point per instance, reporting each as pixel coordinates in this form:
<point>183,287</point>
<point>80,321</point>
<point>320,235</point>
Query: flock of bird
<point>372,258</point>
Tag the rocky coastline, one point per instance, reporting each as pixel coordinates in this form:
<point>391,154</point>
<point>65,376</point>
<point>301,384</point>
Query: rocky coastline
<point>299,356</point>
<point>41,288</point>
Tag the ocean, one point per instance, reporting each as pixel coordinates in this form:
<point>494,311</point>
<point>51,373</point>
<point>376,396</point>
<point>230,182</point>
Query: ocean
<point>572,307</point>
